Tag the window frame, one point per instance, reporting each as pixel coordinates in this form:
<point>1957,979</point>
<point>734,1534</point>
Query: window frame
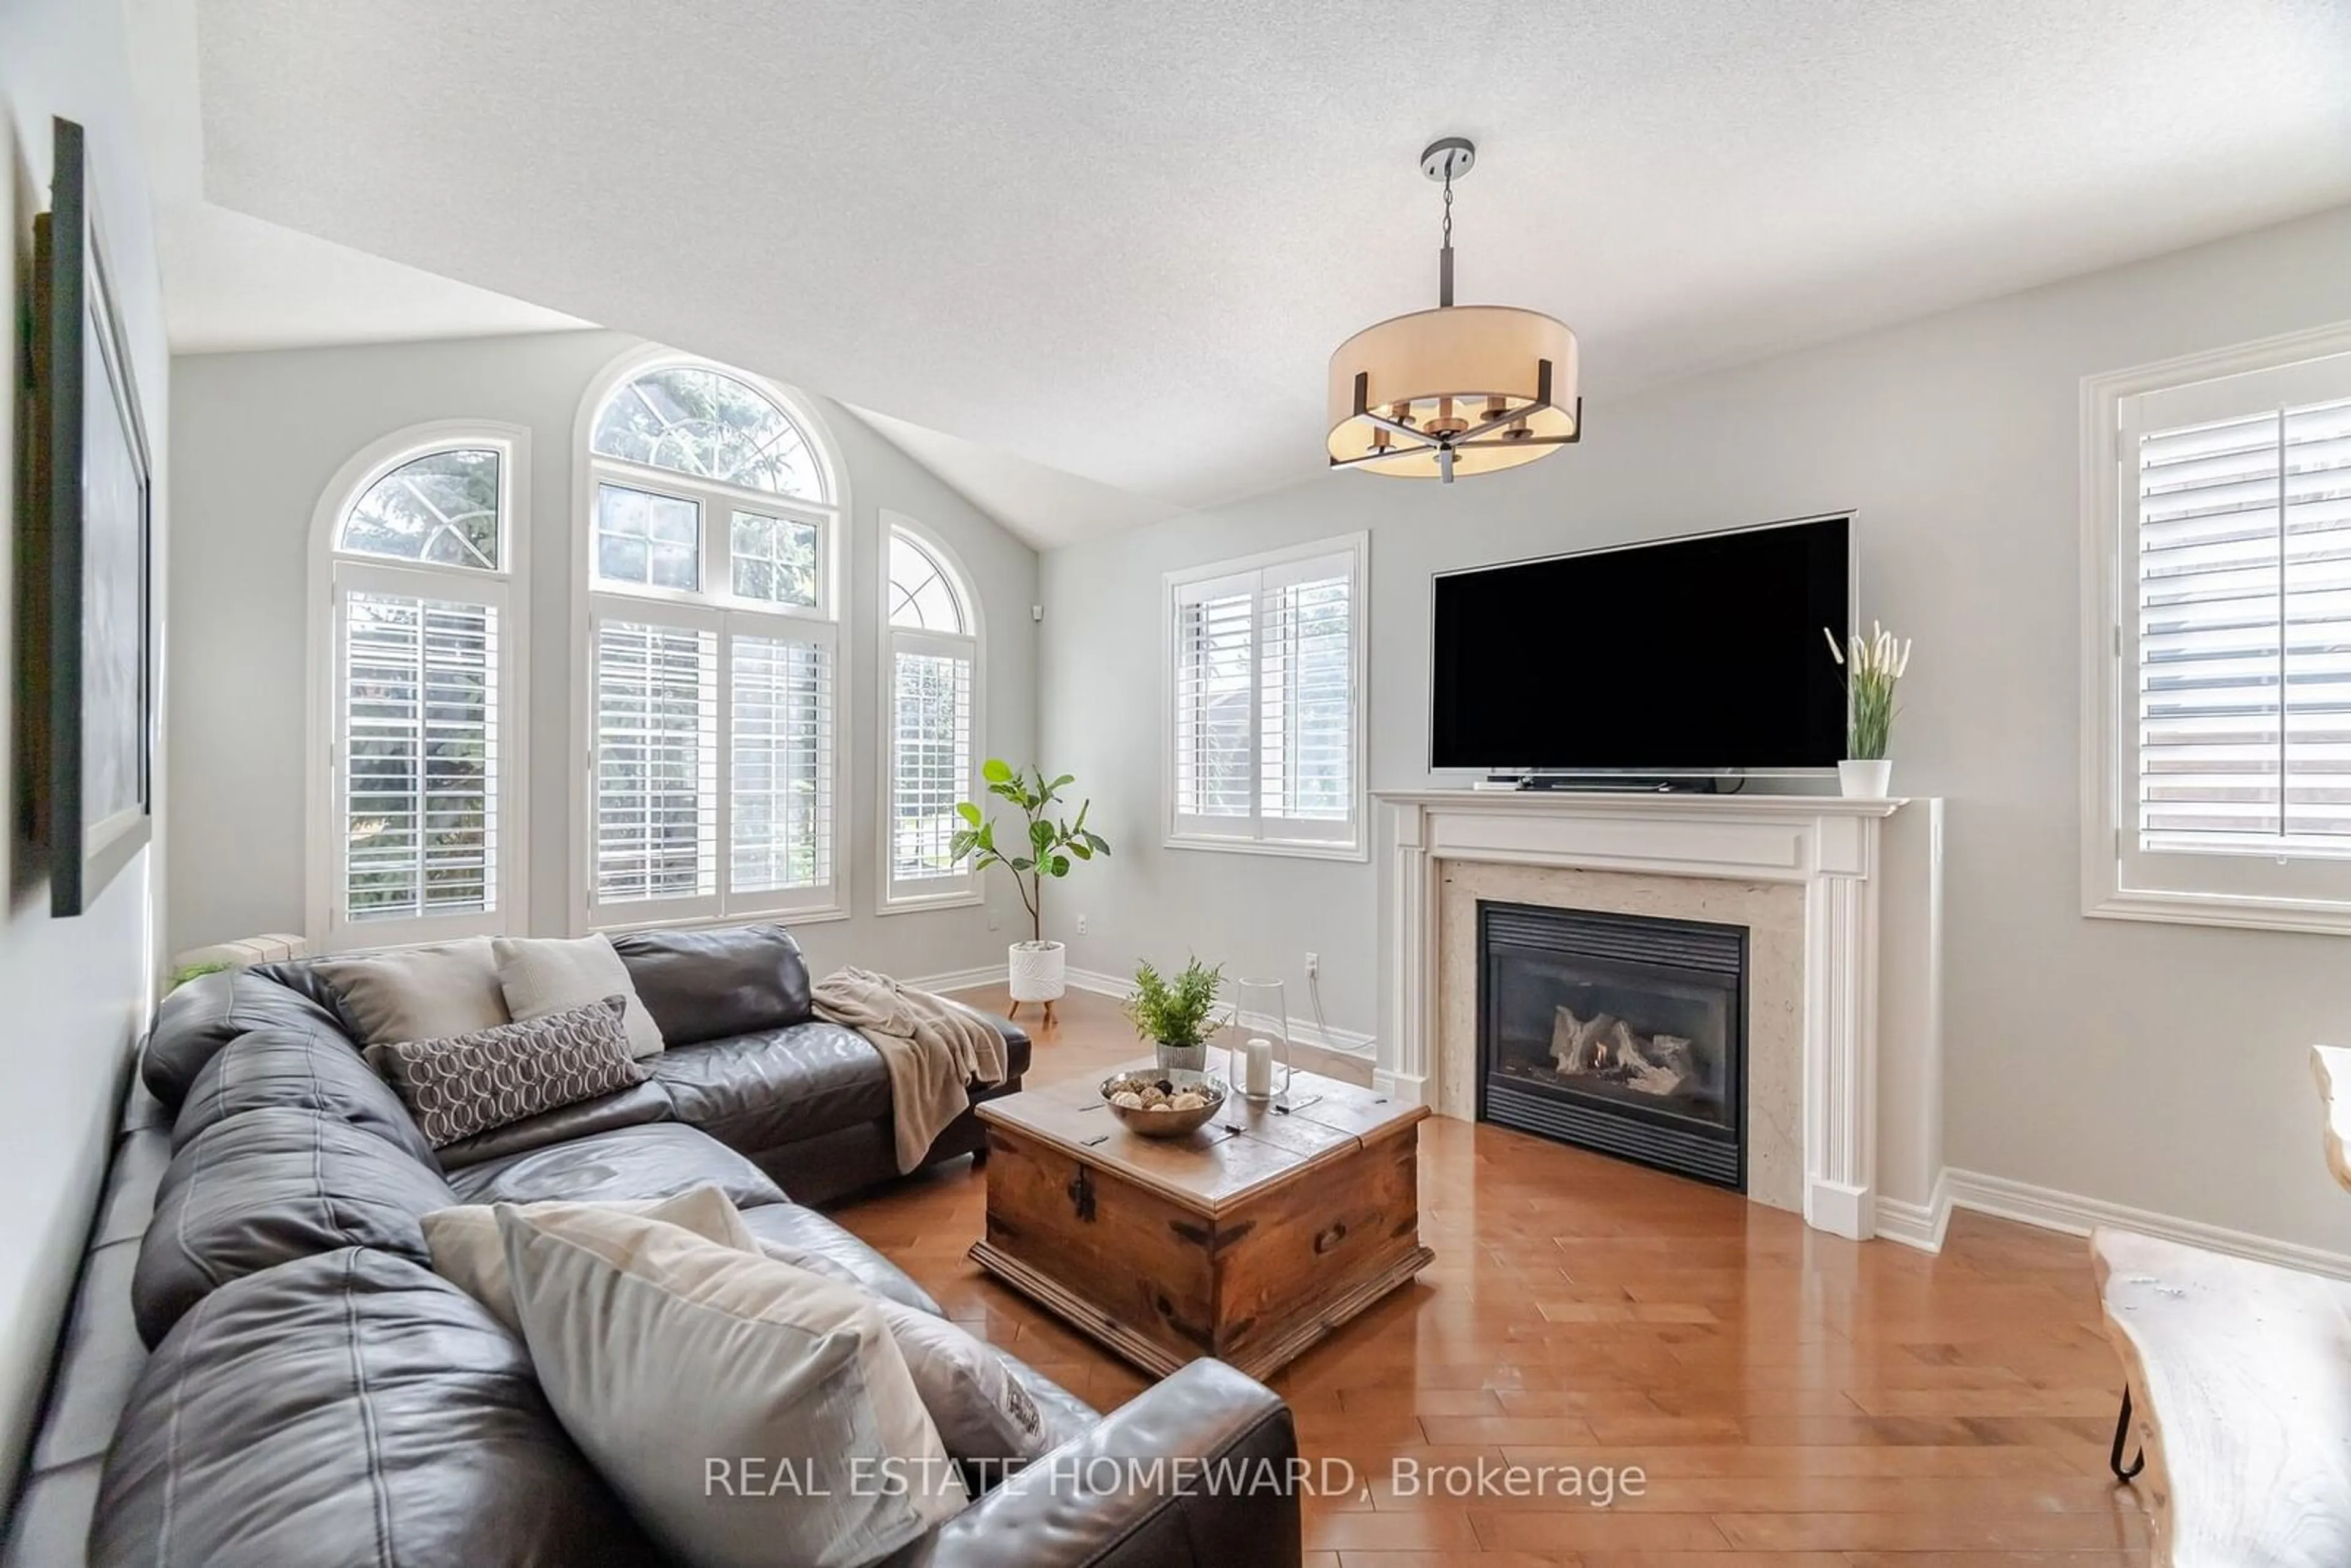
<point>2120,881</point>
<point>334,574</point>
<point>720,610</point>
<point>1180,833</point>
<point>962,891</point>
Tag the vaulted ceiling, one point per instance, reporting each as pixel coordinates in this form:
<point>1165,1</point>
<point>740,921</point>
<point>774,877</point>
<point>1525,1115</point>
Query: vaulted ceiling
<point>1119,240</point>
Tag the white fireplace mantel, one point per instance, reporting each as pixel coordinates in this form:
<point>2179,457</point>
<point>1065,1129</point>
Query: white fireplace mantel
<point>1823,843</point>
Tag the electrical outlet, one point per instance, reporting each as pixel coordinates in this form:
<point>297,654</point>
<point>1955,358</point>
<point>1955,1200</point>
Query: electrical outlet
<point>1314,965</point>
<point>1082,925</point>
<point>995,921</point>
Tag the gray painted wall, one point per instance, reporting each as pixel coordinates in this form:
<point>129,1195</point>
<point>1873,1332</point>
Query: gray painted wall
<point>260,436</point>
<point>75,990</point>
<point>2158,1066</point>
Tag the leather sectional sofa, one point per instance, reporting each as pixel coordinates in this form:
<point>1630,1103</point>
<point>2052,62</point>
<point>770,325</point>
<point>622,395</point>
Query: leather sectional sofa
<point>310,1393</point>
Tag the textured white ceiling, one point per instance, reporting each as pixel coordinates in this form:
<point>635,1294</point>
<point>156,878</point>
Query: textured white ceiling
<point>1121,238</point>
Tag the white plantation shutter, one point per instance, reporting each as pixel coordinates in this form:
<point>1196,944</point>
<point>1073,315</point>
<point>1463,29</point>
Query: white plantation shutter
<point>656,772</point>
<point>1266,670</point>
<point>417,682</point>
<point>781,799</point>
<point>2238,765</point>
<point>1306,684</point>
<point>930,759</point>
<point>1216,721</point>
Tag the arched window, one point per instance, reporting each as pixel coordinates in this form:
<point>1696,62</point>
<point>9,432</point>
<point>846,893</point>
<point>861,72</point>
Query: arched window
<point>931,654</point>
<point>711,537</point>
<point>413,837</point>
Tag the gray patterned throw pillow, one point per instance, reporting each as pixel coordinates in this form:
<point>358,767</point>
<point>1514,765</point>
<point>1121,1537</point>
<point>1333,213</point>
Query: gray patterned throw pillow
<point>469,1084</point>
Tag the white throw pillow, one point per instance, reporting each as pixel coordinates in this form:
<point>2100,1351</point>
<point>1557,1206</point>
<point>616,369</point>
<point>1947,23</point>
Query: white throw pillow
<point>468,1252</point>
<point>747,1412</point>
<point>979,1408</point>
<point>423,993</point>
<point>542,975</point>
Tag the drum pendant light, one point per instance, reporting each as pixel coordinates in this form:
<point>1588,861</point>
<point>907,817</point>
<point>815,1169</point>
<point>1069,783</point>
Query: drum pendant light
<point>1462,389</point>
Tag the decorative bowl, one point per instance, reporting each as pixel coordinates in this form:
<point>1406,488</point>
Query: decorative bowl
<point>1153,1121</point>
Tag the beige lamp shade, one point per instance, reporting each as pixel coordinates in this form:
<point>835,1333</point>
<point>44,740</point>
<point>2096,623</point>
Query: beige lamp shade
<point>1443,373</point>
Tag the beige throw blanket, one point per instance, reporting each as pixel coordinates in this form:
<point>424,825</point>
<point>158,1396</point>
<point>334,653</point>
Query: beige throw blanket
<point>933,1049</point>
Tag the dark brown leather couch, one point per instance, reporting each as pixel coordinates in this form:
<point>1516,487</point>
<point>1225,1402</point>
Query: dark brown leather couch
<point>260,1368</point>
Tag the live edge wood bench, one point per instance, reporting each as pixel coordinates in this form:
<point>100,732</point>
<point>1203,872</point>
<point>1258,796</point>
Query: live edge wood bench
<point>2239,1379</point>
<point>1248,1240</point>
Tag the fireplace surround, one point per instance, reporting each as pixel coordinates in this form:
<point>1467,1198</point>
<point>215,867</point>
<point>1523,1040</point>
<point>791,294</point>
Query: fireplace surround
<point>1800,872</point>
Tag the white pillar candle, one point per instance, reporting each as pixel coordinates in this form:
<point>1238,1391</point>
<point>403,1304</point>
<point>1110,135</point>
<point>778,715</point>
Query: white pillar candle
<point>1258,1079</point>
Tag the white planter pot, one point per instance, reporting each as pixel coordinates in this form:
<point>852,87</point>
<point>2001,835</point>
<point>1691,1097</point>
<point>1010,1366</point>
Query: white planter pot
<point>1865,778</point>
<point>1038,971</point>
<point>1189,1058</point>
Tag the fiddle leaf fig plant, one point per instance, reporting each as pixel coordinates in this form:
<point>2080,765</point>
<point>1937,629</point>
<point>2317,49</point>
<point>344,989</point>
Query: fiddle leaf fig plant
<point>1048,846</point>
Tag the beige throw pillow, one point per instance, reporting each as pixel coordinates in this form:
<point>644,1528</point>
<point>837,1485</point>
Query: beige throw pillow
<point>538,975</point>
<point>468,1252</point>
<point>422,993</point>
<point>747,1412</point>
<point>980,1409</point>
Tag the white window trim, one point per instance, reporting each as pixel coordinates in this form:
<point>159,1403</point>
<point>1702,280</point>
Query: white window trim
<point>962,891</point>
<point>2109,524</point>
<point>1356,846</point>
<point>508,589</point>
<point>589,603</point>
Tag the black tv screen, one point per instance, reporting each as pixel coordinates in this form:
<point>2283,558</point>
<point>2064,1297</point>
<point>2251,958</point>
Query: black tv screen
<point>1692,655</point>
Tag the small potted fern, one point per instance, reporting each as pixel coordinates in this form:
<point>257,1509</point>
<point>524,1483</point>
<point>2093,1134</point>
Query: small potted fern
<point>1177,1016</point>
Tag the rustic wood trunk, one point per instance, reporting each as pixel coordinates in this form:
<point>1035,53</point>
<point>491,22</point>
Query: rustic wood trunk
<point>1250,1246</point>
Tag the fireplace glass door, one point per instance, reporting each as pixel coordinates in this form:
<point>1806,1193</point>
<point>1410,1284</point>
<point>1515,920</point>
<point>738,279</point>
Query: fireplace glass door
<point>1621,1033</point>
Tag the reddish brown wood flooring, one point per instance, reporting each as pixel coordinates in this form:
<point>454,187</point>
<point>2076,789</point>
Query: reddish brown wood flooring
<point>1793,1400</point>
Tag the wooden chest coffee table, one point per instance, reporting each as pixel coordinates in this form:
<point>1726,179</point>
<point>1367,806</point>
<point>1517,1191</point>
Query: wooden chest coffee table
<point>1248,1240</point>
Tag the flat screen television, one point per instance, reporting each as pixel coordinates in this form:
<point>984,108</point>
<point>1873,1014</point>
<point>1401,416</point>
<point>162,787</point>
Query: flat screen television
<point>1691,656</point>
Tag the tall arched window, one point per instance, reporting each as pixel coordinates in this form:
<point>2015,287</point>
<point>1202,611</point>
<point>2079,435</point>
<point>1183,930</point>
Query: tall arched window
<point>711,535</point>
<point>412,834</point>
<point>931,656</point>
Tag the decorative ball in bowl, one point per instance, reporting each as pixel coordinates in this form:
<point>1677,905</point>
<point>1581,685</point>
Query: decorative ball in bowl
<point>1164,1102</point>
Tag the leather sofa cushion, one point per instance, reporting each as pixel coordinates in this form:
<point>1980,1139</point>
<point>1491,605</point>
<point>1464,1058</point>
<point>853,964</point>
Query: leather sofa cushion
<point>630,1107</point>
<point>199,1017</point>
<point>301,976</point>
<point>349,1409</point>
<point>757,1092</point>
<point>803,1236</point>
<point>710,984</point>
<point>652,1160</point>
<point>287,1066</point>
<point>269,1187</point>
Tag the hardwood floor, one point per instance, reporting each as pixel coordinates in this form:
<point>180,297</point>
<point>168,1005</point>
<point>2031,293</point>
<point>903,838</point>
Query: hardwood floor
<point>1792,1399</point>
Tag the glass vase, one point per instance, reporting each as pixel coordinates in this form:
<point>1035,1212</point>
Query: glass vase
<point>1260,1043</point>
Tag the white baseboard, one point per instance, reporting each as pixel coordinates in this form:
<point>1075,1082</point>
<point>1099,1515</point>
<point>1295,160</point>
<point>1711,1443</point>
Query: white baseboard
<point>2077,1216</point>
<point>1301,1031</point>
<point>961,979</point>
<point>1918,1225</point>
<point>1838,1208</point>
